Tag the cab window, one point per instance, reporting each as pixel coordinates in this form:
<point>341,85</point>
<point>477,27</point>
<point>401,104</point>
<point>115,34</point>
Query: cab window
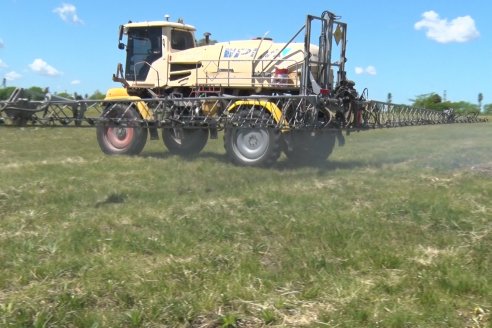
<point>181,40</point>
<point>144,47</point>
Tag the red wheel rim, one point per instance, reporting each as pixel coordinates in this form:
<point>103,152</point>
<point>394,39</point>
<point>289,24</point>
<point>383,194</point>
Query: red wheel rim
<point>119,137</point>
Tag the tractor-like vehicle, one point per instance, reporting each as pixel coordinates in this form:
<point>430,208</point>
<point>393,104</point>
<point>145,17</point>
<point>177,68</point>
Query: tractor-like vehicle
<point>253,89</point>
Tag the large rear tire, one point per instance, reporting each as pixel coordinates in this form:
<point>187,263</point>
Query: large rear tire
<point>122,138</point>
<point>309,147</point>
<point>185,141</point>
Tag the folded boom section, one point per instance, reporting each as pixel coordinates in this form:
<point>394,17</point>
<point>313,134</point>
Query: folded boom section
<point>284,112</point>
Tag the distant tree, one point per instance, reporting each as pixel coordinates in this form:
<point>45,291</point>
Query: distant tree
<point>97,95</point>
<point>465,107</point>
<point>36,93</point>
<point>33,93</point>
<point>5,92</point>
<point>487,109</point>
<point>390,98</point>
<point>65,95</point>
<point>434,101</point>
<point>430,101</point>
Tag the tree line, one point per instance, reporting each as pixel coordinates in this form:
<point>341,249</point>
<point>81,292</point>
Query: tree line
<point>428,101</point>
<point>37,93</point>
<point>436,102</point>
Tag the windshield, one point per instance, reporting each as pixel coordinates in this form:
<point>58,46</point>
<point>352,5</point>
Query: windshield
<point>143,48</point>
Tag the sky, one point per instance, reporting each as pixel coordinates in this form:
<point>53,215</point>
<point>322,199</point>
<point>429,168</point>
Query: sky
<point>406,48</point>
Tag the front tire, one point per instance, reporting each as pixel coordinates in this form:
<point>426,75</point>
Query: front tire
<point>185,142</point>
<point>121,138</point>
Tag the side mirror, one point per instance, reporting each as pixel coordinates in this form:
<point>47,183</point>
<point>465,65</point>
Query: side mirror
<point>121,45</point>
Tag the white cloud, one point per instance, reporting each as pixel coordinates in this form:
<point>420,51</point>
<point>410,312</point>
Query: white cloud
<point>68,13</point>
<point>369,70</point>
<point>2,64</point>
<point>12,76</point>
<point>460,29</point>
<point>43,68</point>
<point>75,82</point>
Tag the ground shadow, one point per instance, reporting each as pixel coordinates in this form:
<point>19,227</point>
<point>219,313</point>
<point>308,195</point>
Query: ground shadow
<point>284,164</point>
<point>166,155</point>
<point>332,165</point>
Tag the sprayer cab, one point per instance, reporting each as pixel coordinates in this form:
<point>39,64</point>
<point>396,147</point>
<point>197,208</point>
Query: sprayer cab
<point>148,49</point>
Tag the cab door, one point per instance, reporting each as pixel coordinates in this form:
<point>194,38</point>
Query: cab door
<point>146,59</point>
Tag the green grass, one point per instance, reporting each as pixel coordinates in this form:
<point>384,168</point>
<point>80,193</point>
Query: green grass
<point>393,231</point>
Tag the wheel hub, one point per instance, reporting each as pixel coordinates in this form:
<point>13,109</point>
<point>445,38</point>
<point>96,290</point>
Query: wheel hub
<point>253,141</point>
<point>251,144</point>
<point>119,137</point>
<point>120,133</point>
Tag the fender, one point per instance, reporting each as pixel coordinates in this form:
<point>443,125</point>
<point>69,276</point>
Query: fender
<point>122,94</point>
<point>271,107</point>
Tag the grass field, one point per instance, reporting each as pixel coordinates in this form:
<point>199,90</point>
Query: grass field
<point>395,230</point>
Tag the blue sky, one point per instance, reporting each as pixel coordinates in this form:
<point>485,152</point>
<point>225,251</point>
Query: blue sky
<point>406,48</point>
